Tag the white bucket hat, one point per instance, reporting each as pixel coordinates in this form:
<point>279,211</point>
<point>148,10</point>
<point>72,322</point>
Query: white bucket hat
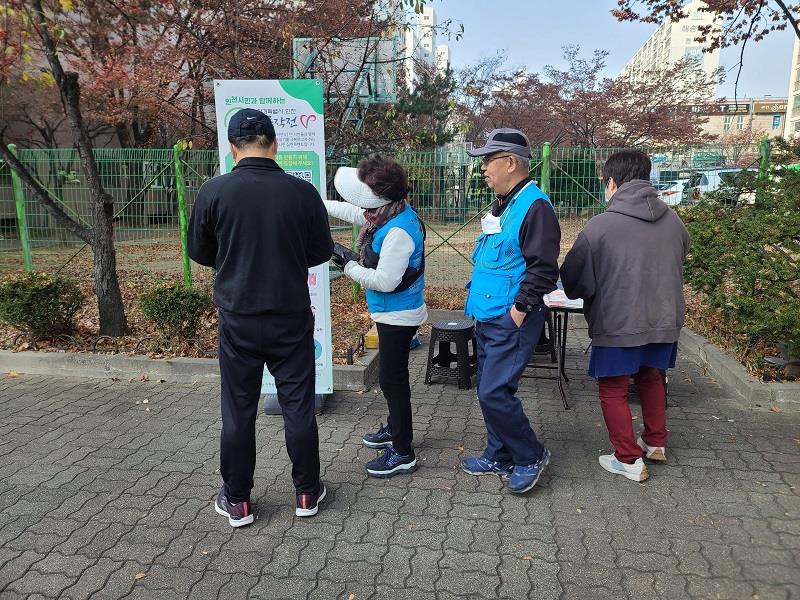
<point>355,191</point>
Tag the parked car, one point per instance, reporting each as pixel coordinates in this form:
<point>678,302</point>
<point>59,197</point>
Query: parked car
<point>691,189</point>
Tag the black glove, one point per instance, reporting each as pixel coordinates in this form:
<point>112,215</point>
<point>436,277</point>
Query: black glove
<point>342,255</point>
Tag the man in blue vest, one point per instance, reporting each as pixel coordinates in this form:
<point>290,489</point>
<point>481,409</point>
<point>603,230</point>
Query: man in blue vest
<point>516,264</point>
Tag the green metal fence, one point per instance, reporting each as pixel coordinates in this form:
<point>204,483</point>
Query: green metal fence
<point>448,191</point>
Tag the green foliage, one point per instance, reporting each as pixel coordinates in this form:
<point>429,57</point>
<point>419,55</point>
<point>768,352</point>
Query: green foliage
<point>425,113</point>
<point>40,303</point>
<point>745,258</point>
<point>175,310</point>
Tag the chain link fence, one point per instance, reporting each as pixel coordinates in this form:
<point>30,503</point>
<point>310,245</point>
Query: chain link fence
<point>448,191</point>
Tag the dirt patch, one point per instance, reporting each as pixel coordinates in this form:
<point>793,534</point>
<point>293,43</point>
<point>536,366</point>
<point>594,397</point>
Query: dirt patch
<point>711,326</point>
<point>142,266</point>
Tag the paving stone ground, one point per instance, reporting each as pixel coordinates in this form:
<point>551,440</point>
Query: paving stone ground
<point>101,498</point>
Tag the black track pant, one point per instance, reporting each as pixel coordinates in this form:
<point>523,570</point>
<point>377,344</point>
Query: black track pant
<point>285,342</point>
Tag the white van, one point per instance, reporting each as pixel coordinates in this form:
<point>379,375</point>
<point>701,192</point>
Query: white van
<point>691,189</point>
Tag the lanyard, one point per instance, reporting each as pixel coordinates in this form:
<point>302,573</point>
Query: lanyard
<point>510,204</point>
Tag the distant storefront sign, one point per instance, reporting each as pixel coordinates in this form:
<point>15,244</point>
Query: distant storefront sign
<point>726,108</point>
<point>769,108</point>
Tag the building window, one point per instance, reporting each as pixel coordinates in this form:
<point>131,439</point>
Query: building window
<point>694,52</point>
<point>726,122</point>
<point>776,121</point>
<point>740,122</point>
<point>796,126</point>
<point>796,102</point>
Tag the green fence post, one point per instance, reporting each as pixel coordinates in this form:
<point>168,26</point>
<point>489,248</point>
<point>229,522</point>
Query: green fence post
<point>763,168</point>
<point>22,221</point>
<point>183,220</point>
<point>355,229</point>
<point>544,178</point>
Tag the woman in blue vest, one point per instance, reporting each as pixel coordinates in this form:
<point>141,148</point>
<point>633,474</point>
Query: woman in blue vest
<point>390,266</point>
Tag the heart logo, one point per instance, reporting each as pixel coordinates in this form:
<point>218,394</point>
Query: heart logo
<point>306,119</point>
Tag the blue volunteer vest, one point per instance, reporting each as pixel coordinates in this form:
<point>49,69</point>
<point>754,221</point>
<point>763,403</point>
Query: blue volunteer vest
<point>499,264</point>
<point>412,297</point>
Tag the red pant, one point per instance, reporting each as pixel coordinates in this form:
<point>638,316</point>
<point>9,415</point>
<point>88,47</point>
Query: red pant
<point>617,413</point>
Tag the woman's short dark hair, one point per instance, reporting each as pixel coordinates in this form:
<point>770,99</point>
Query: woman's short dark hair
<point>385,176</point>
<point>627,165</point>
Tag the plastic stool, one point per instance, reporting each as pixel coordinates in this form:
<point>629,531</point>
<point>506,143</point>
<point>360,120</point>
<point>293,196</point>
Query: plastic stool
<point>445,334</point>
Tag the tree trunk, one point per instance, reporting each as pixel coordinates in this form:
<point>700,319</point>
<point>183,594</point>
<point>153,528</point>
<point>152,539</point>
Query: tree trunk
<point>106,285</point>
<point>101,236</point>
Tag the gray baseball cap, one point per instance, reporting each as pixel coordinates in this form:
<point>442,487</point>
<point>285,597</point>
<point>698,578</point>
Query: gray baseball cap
<point>504,140</point>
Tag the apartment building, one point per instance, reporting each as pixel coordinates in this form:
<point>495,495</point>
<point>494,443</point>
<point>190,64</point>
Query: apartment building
<point>673,41</point>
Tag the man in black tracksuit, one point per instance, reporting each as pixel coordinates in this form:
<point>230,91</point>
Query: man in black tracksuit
<point>262,229</point>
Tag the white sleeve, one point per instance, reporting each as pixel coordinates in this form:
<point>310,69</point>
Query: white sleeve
<point>396,250</point>
<point>345,211</point>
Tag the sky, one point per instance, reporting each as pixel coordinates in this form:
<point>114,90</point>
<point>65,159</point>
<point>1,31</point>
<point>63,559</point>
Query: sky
<point>532,32</point>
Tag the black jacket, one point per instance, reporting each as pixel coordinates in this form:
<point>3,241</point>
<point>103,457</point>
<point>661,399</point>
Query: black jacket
<point>540,241</point>
<point>261,229</point>
<point>627,265</point>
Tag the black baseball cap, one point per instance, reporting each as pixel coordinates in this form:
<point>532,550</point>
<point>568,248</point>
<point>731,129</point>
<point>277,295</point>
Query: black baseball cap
<point>504,140</point>
<point>249,121</point>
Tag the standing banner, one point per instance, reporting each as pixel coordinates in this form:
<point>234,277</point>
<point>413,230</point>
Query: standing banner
<point>296,109</point>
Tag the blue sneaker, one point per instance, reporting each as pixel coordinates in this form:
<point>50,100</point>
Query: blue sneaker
<point>392,463</point>
<point>480,465</point>
<point>380,439</point>
<point>525,477</point>
<point>415,343</point>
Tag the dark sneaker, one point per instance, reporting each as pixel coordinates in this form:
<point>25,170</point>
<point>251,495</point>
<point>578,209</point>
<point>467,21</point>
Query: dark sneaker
<point>480,465</point>
<point>380,439</point>
<point>392,463</point>
<point>238,514</point>
<point>524,477</point>
<point>308,504</point>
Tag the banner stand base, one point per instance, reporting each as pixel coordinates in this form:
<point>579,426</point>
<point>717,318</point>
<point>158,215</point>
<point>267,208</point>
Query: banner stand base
<point>271,406</point>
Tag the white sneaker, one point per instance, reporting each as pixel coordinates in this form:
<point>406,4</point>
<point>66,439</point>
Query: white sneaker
<point>635,472</point>
<point>657,453</point>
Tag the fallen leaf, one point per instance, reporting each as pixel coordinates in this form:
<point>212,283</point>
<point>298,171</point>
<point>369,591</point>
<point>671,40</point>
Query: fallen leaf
<point>162,381</point>
<point>774,408</point>
<point>461,448</point>
<point>527,558</point>
<point>145,401</point>
<point>139,576</point>
<point>13,374</point>
<point>147,409</point>
<point>351,597</point>
<point>204,552</point>
<point>115,379</point>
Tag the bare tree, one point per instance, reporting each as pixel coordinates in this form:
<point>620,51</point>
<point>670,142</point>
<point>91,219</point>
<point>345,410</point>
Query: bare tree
<point>577,106</point>
<point>100,235</point>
